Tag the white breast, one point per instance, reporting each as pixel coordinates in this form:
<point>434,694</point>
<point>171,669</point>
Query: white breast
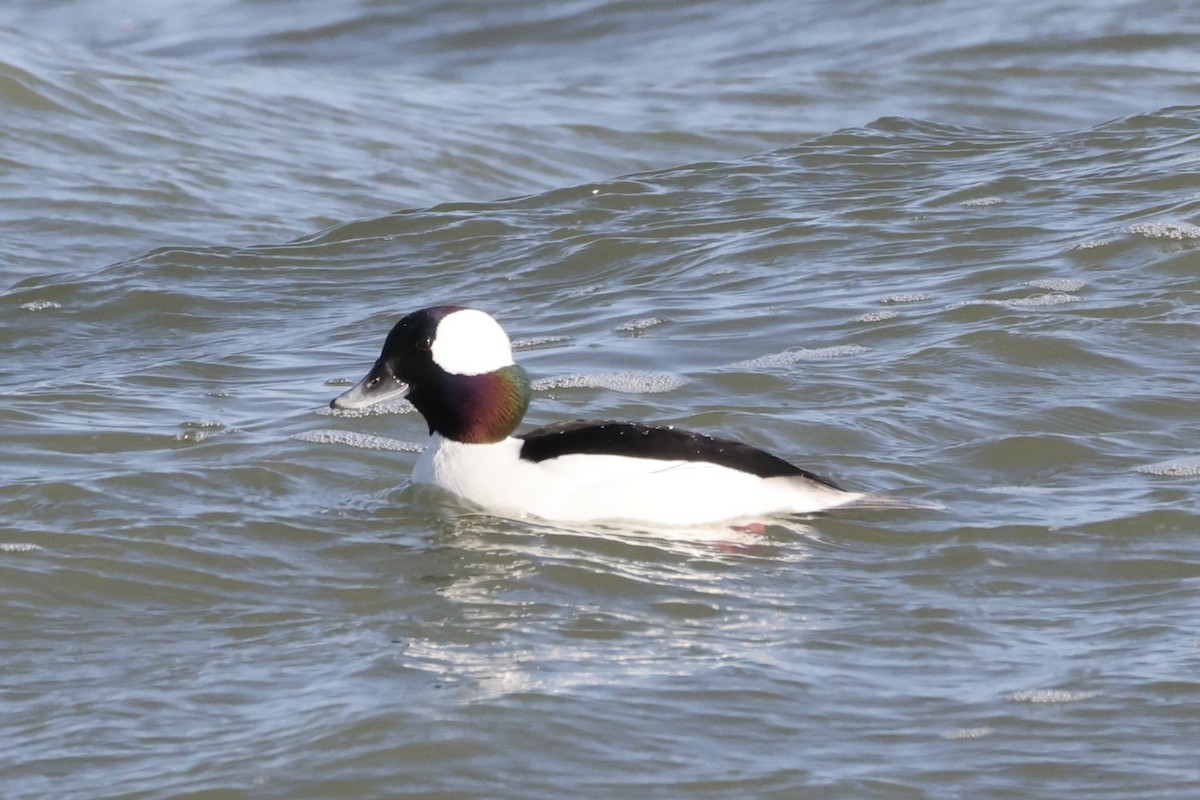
<point>602,487</point>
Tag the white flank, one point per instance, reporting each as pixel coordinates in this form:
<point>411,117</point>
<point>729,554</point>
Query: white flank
<point>470,342</point>
<point>591,488</point>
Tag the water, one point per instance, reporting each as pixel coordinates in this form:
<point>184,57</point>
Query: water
<point>945,251</point>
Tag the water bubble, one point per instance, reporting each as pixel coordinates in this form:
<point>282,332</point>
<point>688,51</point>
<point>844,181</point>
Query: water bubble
<point>795,354</point>
<point>632,381</point>
<point>641,324</point>
<point>365,441</point>
<point>1186,467</point>
<point>397,406</point>
<point>982,201</point>
<point>876,316</point>
<point>1165,230</point>
<point>1050,696</point>
<point>19,547</point>
<point>1058,284</point>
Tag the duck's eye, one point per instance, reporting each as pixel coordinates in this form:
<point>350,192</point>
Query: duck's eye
<point>425,344</point>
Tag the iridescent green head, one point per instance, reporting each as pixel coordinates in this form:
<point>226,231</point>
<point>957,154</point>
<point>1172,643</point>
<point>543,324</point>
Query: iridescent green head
<point>455,365</point>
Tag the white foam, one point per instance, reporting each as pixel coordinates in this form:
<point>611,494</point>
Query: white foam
<point>40,305</point>
<point>632,381</point>
<point>1186,467</point>
<point>1034,490</point>
<point>982,201</point>
<point>1033,301</point>
<point>19,547</point>
<point>202,424</point>
<point>1165,230</point>
<point>795,354</point>
<point>876,316</point>
<point>970,733</point>
<point>895,299</point>
<point>1052,299</point>
<point>531,342</point>
<point>641,324</point>
<point>1058,284</point>
<point>397,406</point>
<point>1050,696</point>
<point>1091,244</point>
<point>198,430</point>
<point>365,441</point>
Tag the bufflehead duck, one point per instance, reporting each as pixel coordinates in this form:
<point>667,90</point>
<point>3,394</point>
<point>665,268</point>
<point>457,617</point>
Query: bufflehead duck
<point>455,365</point>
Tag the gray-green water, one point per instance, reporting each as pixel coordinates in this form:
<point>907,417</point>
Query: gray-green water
<point>946,252</point>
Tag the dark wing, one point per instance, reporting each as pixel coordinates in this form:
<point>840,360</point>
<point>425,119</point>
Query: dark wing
<point>604,437</point>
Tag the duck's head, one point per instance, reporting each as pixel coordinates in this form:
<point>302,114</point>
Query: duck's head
<point>455,365</point>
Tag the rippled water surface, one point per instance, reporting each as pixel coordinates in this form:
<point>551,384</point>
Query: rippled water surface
<point>947,251</point>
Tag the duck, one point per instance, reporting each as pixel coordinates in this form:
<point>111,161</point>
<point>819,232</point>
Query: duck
<point>455,365</point>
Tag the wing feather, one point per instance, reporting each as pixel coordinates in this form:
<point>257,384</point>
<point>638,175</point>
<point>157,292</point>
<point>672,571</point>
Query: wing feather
<point>634,440</point>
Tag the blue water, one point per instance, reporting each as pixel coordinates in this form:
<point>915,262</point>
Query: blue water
<point>944,251</point>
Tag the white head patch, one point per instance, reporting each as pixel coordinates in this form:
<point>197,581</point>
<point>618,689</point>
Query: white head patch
<point>469,342</point>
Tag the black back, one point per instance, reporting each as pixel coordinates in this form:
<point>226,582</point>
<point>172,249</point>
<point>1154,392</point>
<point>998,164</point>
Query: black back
<point>604,437</point>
